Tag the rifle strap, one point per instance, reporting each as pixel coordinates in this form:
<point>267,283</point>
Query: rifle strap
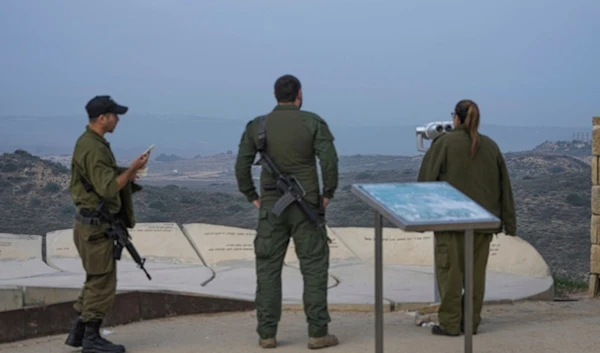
<point>86,184</point>
<point>88,188</point>
<point>262,134</point>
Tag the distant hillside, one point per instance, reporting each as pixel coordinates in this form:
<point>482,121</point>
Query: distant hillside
<point>35,199</point>
<point>581,150</point>
<point>33,193</point>
<point>168,158</point>
<point>552,193</point>
<point>528,165</point>
<point>569,148</point>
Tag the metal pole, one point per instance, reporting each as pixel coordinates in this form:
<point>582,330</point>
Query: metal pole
<point>468,318</point>
<point>436,291</point>
<point>378,283</point>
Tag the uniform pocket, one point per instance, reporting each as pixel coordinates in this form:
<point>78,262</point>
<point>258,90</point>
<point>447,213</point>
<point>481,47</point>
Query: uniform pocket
<point>442,259</point>
<point>95,249</point>
<point>263,241</point>
<point>92,233</point>
<point>310,241</point>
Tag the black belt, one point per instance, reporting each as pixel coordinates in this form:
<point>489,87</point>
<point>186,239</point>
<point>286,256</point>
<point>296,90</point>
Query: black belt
<point>86,216</point>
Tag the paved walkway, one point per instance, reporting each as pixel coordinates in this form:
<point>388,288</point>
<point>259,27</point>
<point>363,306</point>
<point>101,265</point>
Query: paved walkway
<point>532,327</point>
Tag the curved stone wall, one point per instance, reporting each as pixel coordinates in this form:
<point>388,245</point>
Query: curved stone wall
<point>219,261</point>
<point>507,254</point>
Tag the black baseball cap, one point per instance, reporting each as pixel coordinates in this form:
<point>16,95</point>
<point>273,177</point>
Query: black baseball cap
<point>102,105</point>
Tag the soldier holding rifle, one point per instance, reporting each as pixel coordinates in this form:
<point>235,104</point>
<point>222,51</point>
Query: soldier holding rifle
<point>99,187</point>
<point>288,139</point>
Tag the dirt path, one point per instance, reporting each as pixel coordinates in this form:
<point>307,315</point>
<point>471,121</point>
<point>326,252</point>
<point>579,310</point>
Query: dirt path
<point>532,327</point>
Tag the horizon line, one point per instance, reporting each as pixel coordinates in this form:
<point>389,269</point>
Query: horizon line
<point>245,119</point>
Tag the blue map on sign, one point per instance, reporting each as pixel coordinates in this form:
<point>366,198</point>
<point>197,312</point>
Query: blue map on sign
<point>427,202</point>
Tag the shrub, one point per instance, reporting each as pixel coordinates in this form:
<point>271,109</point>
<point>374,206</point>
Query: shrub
<point>576,200</point>
<point>51,187</point>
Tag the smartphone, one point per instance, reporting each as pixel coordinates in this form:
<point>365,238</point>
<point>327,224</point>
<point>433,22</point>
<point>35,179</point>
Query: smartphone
<point>149,149</point>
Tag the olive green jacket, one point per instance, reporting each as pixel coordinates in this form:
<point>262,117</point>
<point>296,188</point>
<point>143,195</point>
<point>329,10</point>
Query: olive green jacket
<point>94,160</point>
<point>294,138</point>
<point>484,179</point>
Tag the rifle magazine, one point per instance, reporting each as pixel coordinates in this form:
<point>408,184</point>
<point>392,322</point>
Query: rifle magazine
<point>284,201</point>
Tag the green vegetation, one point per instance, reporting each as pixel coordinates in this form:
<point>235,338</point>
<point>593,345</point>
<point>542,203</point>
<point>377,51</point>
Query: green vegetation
<point>577,200</point>
<point>50,187</point>
<point>565,285</point>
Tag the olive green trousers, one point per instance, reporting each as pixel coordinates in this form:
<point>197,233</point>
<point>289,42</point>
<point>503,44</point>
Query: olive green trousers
<point>96,252</point>
<point>270,246</point>
<point>450,260</point>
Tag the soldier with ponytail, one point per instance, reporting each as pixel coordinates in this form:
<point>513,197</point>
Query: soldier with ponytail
<point>472,163</point>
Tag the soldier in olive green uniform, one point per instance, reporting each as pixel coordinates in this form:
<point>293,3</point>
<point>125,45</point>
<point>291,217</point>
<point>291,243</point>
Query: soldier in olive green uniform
<point>94,165</point>
<point>294,138</point>
<point>473,164</point>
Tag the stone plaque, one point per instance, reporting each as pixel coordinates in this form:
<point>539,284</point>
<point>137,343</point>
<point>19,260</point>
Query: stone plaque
<point>220,243</point>
<point>19,247</point>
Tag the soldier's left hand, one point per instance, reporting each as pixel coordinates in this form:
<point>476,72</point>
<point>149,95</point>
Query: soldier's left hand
<point>140,162</point>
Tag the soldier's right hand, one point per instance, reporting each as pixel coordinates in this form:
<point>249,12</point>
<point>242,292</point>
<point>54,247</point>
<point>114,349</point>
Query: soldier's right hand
<point>140,162</point>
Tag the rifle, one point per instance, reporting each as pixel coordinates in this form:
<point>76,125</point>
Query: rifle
<point>117,231</point>
<point>288,185</point>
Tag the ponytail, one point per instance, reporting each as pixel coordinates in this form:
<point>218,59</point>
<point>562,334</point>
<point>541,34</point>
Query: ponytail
<point>472,125</point>
<point>470,122</point>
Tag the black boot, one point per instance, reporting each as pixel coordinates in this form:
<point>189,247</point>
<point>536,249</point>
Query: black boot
<point>437,330</point>
<point>94,343</point>
<point>76,334</point>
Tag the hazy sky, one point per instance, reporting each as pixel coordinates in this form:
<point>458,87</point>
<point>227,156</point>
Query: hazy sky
<point>526,62</point>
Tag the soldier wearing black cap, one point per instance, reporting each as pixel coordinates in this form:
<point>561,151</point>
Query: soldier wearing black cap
<point>93,164</point>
